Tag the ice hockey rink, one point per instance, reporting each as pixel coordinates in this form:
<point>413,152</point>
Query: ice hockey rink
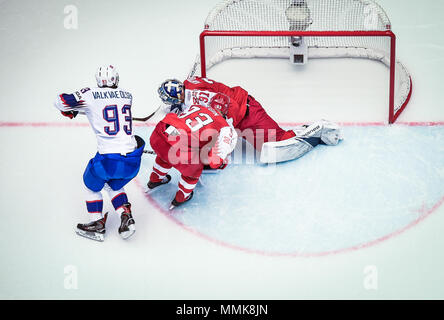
<point>361,220</point>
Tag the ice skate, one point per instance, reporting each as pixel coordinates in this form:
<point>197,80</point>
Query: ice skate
<point>152,185</point>
<point>176,203</point>
<point>208,170</point>
<point>127,225</point>
<point>94,230</point>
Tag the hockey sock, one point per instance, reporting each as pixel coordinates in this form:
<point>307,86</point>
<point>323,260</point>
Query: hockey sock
<point>186,186</point>
<point>94,204</point>
<point>160,170</point>
<point>118,199</point>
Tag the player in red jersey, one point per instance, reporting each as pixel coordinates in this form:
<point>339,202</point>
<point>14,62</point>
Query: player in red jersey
<point>250,119</point>
<point>196,137</point>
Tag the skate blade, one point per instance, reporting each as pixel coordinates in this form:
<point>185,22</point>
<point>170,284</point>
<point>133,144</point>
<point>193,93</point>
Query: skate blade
<point>149,191</point>
<point>126,234</point>
<point>172,206</point>
<point>165,180</point>
<point>91,235</point>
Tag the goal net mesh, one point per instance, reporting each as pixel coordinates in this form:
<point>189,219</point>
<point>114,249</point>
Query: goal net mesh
<point>303,15</point>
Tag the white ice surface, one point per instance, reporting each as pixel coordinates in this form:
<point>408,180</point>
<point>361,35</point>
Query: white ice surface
<point>330,200</point>
<point>42,166</point>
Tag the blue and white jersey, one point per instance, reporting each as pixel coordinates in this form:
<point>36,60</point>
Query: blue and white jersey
<point>109,113</point>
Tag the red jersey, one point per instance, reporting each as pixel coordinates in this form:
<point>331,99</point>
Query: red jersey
<point>195,132</point>
<point>192,139</point>
<point>199,91</point>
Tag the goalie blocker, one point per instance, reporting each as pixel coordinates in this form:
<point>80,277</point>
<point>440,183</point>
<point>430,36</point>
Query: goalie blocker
<point>307,137</point>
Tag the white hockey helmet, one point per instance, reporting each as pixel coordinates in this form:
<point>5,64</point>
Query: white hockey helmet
<point>107,76</point>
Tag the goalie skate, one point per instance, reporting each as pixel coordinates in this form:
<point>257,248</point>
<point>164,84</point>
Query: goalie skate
<point>94,230</point>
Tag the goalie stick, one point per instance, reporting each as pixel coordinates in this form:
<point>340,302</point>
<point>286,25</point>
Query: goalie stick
<point>196,64</point>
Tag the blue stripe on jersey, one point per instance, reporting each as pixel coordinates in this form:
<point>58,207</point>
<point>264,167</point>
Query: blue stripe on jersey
<point>94,206</point>
<point>119,200</point>
<point>69,100</point>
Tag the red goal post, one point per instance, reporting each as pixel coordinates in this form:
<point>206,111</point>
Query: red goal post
<point>321,43</point>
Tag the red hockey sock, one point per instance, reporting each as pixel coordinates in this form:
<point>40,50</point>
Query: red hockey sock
<point>186,186</point>
<point>160,170</point>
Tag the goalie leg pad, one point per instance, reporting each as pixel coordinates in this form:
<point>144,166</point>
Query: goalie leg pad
<point>285,150</point>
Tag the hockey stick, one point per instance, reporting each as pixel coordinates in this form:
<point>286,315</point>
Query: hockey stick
<point>148,117</point>
<point>196,65</point>
<point>149,152</point>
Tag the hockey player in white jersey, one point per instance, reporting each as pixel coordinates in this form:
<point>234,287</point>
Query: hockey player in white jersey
<point>119,151</point>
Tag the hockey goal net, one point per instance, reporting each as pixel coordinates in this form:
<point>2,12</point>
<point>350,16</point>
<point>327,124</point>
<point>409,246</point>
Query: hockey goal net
<point>302,30</point>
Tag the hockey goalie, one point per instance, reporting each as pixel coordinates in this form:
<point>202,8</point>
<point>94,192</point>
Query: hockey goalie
<point>250,119</point>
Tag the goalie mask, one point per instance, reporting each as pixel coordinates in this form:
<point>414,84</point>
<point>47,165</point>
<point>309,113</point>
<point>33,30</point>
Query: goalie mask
<point>171,92</point>
<point>220,102</point>
<point>107,77</point>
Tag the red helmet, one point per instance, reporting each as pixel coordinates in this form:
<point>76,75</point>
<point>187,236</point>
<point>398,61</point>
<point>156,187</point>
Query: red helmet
<point>220,102</point>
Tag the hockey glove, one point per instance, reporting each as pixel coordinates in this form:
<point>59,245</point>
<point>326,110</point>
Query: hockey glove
<point>216,162</point>
<point>70,114</point>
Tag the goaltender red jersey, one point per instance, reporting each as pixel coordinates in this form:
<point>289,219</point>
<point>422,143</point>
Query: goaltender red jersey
<point>199,91</point>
